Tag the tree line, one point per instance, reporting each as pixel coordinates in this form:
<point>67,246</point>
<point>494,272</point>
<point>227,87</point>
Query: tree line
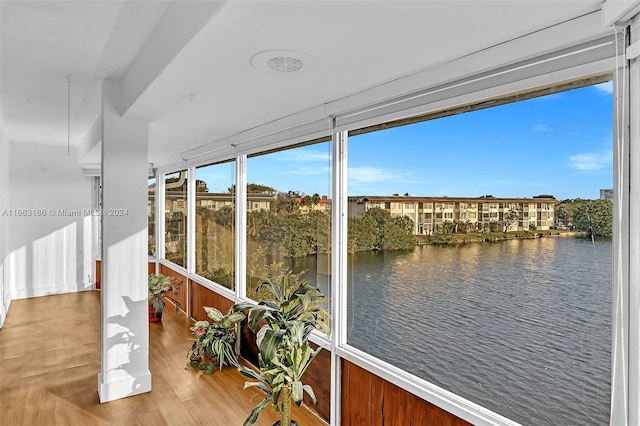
<point>595,217</point>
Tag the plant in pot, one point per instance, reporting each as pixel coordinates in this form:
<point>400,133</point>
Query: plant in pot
<point>295,309</point>
<point>216,340</point>
<point>160,286</point>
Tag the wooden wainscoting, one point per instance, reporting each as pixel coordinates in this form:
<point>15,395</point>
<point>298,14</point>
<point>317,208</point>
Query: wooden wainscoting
<point>368,400</point>
<point>202,296</point>
<point>181,296</point>
<point>318,376</point>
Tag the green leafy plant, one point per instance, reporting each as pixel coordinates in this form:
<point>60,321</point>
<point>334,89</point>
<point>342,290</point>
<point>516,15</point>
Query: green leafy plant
<point>159,287</point>
<point>216,340</point>
<point>295,309</point>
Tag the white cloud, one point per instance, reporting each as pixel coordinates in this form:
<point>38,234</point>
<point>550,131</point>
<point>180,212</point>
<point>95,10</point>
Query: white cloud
<point>359,175</point>
<point>306,155</point>
<point>310,171</point>
<point>591,161</point>
<point>542,128</point>
<point>606,87</point>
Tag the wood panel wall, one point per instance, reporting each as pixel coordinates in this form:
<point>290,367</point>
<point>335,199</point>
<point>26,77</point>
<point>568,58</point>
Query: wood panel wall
<point>181,296</point>
<point>318,376</point>
<point>368,400</point>
<point>202,296</point>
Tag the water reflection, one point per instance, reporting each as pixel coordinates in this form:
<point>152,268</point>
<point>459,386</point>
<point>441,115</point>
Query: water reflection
<point>521,327</point>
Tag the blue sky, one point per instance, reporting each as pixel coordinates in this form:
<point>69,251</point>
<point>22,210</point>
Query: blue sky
<point>559,144</point>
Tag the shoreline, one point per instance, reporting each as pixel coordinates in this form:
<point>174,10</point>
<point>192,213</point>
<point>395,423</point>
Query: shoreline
<point>498,236</point>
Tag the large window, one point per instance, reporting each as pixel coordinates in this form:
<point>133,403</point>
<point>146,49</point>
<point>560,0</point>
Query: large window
<point>289,216</point>
<point>175,216</point>
<point>215,220</point>
<point>507,313</point>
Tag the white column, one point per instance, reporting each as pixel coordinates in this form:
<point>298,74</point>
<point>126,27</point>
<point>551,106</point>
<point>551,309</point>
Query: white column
<point>124,329</point>
<point>634,222</point>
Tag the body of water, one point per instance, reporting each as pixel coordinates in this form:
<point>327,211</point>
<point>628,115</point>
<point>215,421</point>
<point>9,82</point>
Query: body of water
<point>522,327</point>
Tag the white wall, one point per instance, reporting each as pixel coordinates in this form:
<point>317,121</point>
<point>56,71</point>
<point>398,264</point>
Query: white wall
<point>48,195</point>
<point>5,295</point>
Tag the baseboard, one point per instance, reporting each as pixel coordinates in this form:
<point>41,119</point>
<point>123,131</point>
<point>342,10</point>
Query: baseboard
<point>124,387</point>
<point>5,309</point>
<point>25,293</point>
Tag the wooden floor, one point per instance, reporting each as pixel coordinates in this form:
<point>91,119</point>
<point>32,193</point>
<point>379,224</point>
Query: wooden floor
<point>50,358</point>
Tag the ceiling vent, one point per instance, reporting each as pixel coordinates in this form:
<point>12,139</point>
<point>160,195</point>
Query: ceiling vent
<point>285,64</point>
<point>282,62</point>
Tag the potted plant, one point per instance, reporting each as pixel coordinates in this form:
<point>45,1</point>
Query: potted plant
<point>216,340</point>
<point>159,288</point>
<point>283,342</point>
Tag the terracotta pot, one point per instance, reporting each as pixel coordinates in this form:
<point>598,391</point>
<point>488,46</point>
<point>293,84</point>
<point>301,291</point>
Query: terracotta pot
<point>153,317</point>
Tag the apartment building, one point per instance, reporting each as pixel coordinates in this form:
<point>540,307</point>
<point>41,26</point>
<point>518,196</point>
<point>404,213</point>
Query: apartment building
<point>322,205</point>
<point>176,201</point>
<point>476,214</point>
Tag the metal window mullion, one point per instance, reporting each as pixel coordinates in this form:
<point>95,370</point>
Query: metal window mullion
<point>160,217</point>
<point>241,228</point>
<point>339,268</point>
<point>191,221</point>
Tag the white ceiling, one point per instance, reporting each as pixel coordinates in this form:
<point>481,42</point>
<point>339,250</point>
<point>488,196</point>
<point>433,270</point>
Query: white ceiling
<point>186,67</point>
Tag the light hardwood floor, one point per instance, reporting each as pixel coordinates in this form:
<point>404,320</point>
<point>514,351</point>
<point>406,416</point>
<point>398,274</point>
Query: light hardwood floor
<point>50,358</point>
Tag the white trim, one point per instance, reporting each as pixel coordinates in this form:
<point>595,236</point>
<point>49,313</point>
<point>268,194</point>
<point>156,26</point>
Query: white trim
<point>216,288</point>
<point>619,11</point>
<point>129,386</point>
<point>632,234</point>
<point>160,218</point>
<point>190,254</point>
<point>633,51</point>
<point>174,266</point>
<point>241,227</point>
<point>7,304</point>
<point>620,291</point>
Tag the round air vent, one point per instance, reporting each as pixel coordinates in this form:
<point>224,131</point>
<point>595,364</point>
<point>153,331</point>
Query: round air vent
<point>282,62</point>
<point>285,64</point>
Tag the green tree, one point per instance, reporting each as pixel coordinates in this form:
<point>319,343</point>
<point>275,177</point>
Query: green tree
<point>286,202</point>
<point>510,219</point>
<point>318,231</point>
<point>443,234</point>
<point>595,217</point>
<point>254,188</point>
<point>363,234</point>
<point>390,233</point>
<point>201,186</point>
